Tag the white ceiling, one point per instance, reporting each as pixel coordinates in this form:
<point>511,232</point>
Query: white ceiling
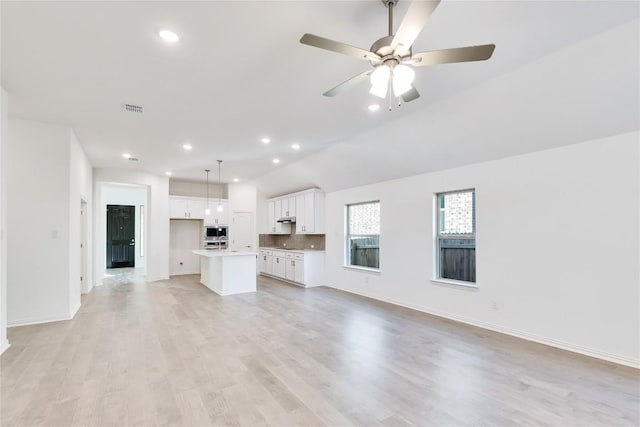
<point>562,72</point>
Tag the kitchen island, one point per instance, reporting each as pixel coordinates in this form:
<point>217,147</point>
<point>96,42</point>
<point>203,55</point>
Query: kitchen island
<point>227,272</point>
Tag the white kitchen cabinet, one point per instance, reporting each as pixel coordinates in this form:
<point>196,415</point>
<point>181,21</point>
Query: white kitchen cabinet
<point>215,217</point>
<point>290,269</point>
<point>288,207</point>
<point>274,213</point>
<point>268,267</point>
<point>298,274</point>
<point>186,208</point>
<point>196,208</point>
<point>271,216</point>
<point>262,262</point>
<point>310,213</point>
<point>278,265</point>
<point>304,268</point>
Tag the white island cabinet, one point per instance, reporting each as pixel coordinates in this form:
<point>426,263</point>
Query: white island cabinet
<point>227,272</point>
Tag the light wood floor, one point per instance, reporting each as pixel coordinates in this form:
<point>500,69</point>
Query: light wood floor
<point>174,353</point>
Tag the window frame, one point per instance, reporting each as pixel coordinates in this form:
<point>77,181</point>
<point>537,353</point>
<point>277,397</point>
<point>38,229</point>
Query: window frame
<point>437,273</point>
<point>347,238</point>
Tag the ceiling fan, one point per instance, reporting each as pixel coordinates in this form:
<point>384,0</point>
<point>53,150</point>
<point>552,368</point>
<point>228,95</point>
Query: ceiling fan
<point>392,56</point>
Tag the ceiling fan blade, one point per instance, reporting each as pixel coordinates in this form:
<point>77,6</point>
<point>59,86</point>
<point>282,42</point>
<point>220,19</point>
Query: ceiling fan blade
<point>457,54</point>
<point>410,95</point>
<point>358,78</point>
<point>334,46</point>
<point>412,24</point>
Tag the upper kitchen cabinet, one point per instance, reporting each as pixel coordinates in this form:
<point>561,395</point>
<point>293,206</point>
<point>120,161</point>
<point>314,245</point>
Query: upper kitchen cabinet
<point>186,208</point>
<point>215,217</point>
<point>274,213</point>
<point>305,209</point>
<point>288,207</point>
<point>310,212</point>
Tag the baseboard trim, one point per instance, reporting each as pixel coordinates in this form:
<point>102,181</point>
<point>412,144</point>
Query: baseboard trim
<point>5,346</point>
<point>37,321</point>
<point>74,311</point>
<point>586,351</point>
<point>156,279</point>
<point>182,273</point>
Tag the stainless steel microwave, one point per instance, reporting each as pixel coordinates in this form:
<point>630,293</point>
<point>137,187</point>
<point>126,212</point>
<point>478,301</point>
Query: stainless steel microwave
<point>215,232</point>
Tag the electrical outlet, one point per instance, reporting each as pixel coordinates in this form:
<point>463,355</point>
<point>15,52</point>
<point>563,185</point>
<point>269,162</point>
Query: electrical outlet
<point>494,305</point>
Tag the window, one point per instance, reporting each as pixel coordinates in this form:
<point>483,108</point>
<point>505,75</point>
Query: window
<point>456,237</point>
<point>363,235</point>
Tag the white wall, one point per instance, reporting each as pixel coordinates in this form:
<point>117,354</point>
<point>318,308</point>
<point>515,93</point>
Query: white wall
<point>128,195</point>
<point>81,189</point>
<point>157,262</point>
<point>557,246</point>
<point>198,189</point>
<point>47,174</point>
<point>4,343</point>
<point>186,235</point>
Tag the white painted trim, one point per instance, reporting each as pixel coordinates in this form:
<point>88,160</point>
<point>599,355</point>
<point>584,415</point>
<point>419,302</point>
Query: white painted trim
<point>365,269</point>
<point>36,321</point>
<point>586,351</point>
<point>184,273</point>
<point>74,311</point>
<point>455,283</point>
<point>5,346</point>
<point>156,279</point>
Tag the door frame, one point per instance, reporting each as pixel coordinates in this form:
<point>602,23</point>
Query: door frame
<point>132,253</point>
<point>252,229</point>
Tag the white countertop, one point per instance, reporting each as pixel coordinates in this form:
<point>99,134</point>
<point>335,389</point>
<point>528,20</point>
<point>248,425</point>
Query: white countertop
<point>292,250</point>
<point>222,253</point>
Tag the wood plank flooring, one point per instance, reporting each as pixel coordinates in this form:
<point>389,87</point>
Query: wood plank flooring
<point>174,353</point>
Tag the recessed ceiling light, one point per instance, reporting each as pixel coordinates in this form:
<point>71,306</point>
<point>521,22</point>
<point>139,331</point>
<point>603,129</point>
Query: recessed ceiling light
<point>265,140</point>
<point>187,147</point>
<point>295,146</point>
<point>168,36</point>
<point>235,180</point>
<point>276,161</point>
<point>374,107</point>
<point>126,155</point>
<point>168,173</point>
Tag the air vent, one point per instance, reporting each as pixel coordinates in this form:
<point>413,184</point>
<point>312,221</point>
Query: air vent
<point>132,108</point>
<point>133,159</point>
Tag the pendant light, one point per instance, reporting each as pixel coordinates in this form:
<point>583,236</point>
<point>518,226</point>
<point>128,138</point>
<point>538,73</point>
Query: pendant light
<point>207,211</point>
<point>220,208</point>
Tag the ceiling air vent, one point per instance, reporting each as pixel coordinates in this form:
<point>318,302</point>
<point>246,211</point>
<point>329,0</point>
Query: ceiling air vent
<point>132,108</point>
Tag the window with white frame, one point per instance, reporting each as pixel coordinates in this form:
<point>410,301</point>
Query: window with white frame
<point>456,236</point>
<point>363,235</point>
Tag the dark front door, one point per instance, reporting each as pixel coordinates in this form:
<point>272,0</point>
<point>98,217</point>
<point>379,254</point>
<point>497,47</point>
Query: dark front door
<point>121,234</point>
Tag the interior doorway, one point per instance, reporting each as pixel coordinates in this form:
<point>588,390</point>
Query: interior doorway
<point>121,236</point>
<point>241,236</point>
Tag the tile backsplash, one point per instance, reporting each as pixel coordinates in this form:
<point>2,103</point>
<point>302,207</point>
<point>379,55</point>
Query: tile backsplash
<point>293,240</point>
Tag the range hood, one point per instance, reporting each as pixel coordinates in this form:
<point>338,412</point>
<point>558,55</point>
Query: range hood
<point>287,219</point>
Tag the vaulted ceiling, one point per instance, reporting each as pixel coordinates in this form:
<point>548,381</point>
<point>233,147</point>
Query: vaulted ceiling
<point>562,72</point>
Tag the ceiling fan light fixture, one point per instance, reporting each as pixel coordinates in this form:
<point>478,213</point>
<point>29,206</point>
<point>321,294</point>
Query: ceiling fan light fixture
<point>380,81</point>
<point>403,77</point>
